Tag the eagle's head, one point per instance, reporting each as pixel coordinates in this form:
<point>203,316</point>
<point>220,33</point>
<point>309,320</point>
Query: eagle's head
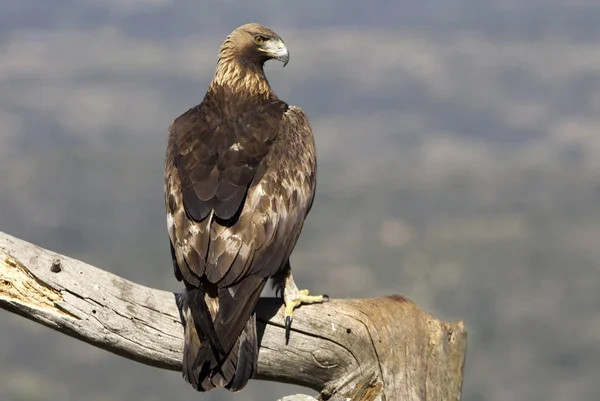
<point>255,44</point>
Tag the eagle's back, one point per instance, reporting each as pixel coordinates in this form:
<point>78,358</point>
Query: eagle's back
<point>240,178</point>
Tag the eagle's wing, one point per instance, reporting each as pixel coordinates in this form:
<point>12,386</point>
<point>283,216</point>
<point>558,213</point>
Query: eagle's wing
<point>237,191</point>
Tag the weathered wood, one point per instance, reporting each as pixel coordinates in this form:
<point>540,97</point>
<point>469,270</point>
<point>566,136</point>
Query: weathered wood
<point>298,397</point>
<point>356,349</point>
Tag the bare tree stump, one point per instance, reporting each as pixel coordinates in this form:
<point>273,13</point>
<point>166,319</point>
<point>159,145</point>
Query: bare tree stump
<point>356,349</point>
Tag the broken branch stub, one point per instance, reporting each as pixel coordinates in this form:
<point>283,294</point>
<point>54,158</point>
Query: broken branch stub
<point>356,349</point>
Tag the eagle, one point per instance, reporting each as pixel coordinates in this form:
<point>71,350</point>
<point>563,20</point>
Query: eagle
<point>239,181</point>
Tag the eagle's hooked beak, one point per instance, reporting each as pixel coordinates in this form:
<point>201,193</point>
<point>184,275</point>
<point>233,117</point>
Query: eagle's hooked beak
<point>283,55</point>
<point>278,51</point>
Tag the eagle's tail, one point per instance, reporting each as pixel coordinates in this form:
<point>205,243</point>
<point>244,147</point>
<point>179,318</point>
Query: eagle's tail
<point>206,366</point>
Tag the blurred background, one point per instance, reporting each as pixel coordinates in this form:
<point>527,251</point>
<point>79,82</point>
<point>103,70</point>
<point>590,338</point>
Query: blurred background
<point>459,165</point>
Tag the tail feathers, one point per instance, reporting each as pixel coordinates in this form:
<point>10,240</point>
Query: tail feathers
<point>191,347</point>
<point>239,366</point>
<point>204,366</point>
<point>247,356</point>
<point>196,305</point>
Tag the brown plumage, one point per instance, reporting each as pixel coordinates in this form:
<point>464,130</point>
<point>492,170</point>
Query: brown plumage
<point>240,178</point>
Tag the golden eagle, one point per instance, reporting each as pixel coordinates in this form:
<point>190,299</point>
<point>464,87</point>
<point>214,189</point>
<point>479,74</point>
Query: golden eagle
<point>240,177</point>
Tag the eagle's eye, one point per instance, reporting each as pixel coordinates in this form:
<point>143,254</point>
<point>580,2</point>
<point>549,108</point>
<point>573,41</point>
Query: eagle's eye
<point>259,40</point>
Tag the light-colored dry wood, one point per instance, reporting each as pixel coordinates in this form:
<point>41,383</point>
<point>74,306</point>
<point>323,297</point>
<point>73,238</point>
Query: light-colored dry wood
<point>364,349</point>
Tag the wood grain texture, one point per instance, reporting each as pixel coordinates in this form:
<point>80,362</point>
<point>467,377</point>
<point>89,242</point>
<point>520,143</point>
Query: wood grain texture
<point>355,349</point>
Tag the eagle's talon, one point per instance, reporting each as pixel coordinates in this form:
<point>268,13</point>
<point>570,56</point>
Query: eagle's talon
<point>305,298</point>
<point>288,328</point>
<point>290,304</point>
<point>294,299</point>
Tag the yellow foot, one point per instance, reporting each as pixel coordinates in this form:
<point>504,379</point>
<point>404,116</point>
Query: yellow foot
<point>292,300</point>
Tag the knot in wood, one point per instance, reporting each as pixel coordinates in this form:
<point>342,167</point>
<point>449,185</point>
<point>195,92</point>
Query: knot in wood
<point>55,267</point>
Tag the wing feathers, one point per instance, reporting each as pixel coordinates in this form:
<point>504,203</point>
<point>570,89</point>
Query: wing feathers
<point>205,188</point>
<point>235,301</point>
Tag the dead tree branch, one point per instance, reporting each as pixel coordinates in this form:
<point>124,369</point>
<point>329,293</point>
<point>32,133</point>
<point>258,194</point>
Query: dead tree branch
<point>356,349</point>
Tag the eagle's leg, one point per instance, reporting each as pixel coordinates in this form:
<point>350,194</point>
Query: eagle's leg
<point>293,297</point>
